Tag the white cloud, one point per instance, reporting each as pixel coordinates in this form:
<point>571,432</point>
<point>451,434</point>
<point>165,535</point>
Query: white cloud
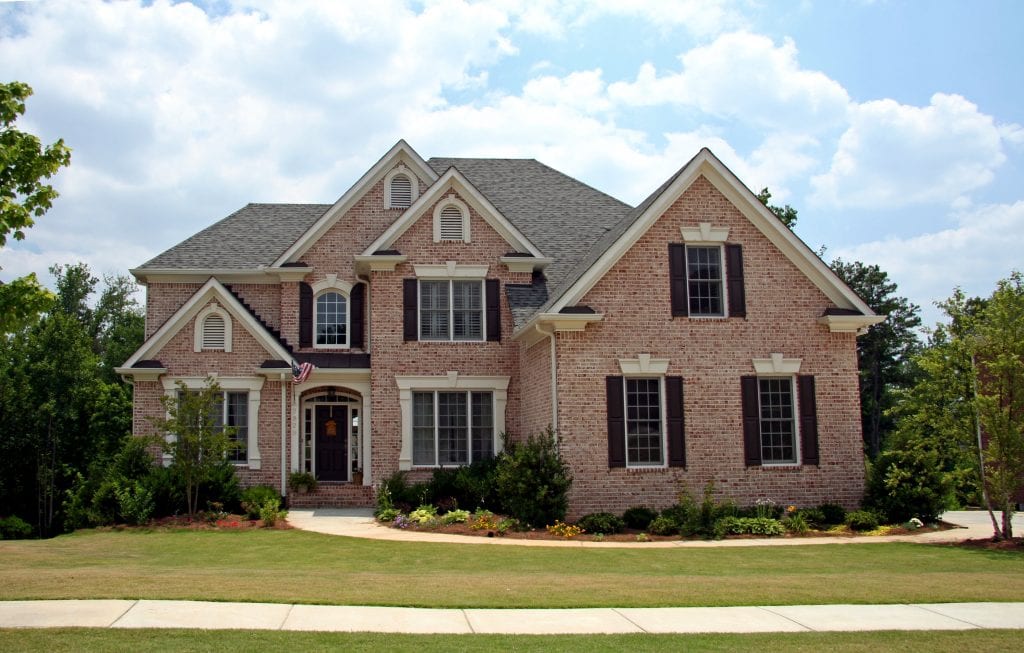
<point>984,246</point>
<point>895,155</point>
<point>743,77</point>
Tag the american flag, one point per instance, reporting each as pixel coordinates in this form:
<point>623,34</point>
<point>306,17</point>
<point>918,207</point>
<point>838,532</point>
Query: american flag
<point>301,372</point>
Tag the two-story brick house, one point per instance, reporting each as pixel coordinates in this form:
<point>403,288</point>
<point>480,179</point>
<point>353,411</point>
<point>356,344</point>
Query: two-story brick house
<point>447,302</point>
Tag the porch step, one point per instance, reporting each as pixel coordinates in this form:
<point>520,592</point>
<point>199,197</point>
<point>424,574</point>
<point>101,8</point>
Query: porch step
<point>333,495</point>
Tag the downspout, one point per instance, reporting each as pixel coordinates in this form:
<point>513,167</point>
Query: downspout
<point>364,429</point>
<point>284,437</point>
<point>366,314</point>
<point>554,380</point>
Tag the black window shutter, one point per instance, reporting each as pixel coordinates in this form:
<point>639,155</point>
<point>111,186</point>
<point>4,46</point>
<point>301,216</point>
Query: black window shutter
<point>357,315</point>
<point>410,311</point>
<point>492,289</point>
<point>734,272</point>
<point>305,315</point>
<point>677,279</point>
<point>808,420</point>
<point>616,422</point>
<point>676,424</point>
<point>751,421</point>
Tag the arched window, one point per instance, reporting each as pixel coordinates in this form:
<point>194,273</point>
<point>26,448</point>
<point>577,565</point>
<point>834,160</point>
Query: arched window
<point>451,221</point>
<point>213,329</point>
<point>331,320</point>
<point>400,188</point>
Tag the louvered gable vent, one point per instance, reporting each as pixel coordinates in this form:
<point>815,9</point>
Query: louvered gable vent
<point>213,332</point>
<point>451,223</point>
<point>401,192</point>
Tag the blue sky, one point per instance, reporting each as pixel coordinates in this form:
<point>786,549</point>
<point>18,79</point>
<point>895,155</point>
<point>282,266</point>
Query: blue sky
<point>893,127</point>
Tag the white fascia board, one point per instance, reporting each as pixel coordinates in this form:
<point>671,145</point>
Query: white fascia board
<point>401,152</point>
<point>708,165</point>
<point>525,263</point>
<point>452,179</point>
<point>378,263</point>
<point>212,289</point>
<point>259,275</point>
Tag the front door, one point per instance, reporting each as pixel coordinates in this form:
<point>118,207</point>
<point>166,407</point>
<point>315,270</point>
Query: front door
<point>332,443</point>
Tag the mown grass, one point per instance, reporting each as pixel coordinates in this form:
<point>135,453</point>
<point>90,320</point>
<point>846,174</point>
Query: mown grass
<point>83,639</point>
<point>303,567</point>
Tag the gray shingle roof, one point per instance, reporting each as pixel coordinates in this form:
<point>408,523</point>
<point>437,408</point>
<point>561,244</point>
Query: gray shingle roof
<point>563,217</point>
<point>255,235</point>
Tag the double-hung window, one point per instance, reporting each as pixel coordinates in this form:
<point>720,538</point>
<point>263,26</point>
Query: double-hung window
<point>705,278</point>
<point>232,410</point>
<point>331,320</point>
<point>778,420</point>
<point>644,431</point>
<point>452,428</point>
<point>451,309</point>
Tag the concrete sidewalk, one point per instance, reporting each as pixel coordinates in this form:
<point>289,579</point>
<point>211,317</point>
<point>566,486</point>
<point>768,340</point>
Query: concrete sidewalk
<point>271,616</point>
<point>359,522</point>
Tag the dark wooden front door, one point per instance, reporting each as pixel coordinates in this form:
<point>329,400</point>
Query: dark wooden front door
<point>332,443</point>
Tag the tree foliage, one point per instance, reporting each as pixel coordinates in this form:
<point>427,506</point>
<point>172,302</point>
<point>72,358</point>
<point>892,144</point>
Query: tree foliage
<point>24,164</point>
<point>785,213</point>
<point>885,351</point>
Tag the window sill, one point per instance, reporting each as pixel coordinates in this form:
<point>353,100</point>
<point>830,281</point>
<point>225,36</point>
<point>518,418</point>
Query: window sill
<point>641,469</point>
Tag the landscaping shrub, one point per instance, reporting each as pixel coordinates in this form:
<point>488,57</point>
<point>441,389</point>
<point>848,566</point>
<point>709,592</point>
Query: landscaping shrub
<point>221,487</point>
<point>533,481</point>
<point>814,517</point>
<point>270,511</point>
<point>862,520</point>
<point>388,514</point>
<point>14,528</point>
<point>749,526</point>
<point>467,487</point>
<point>396,492</point>
<point>796,522</point>
<point>423,514</point>
<point>455,517</point>
<point>832,514</point>
<point>134,502</point>
<point>253,499</point>
<point>663,524</point>
<point>639,517</point>
<point>909,483</point>
<point>696,519</point>
<point>601,522</point>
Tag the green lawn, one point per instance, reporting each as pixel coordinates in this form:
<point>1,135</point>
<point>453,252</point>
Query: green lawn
<point>79,639</point>
<point>302,567</point>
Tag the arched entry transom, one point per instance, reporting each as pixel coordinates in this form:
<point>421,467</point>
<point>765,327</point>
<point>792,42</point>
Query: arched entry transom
<point>331,433</point>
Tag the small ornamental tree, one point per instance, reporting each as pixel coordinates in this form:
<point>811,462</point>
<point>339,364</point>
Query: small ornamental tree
<point>196,437</point>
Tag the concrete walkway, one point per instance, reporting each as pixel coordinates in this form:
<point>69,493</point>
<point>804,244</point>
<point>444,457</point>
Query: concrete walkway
<point>272,616</point>
<point>359,522</point>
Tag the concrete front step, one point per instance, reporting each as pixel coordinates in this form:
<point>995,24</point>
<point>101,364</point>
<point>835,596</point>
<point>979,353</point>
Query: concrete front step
<point>334,495</point>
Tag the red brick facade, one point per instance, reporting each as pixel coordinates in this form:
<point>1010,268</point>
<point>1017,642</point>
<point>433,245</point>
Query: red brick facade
<point>711,354</point>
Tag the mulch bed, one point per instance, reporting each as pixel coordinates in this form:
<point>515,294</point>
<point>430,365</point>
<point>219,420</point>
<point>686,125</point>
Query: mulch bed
<point>200,523</point>
<point>1015,544</point>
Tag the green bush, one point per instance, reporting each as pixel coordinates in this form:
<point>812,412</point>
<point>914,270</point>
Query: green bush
<point>253,499</point>
<point>14,528</point>
<point>601,522</point>
<point>832,514</point>
<point>796,523</point>
<point>134,502</point>
<point>699,519</point>
<point>388,514</point>
<point>639,517</point>
<point>270,511</point>
<point>533,481</point>
<point>749,526</point>
<point>221,487</point>
<point>467,487</point>
<point>814,517</point>
<point>908,483</point>
<point>664,524</point>
<point>862,520</point>
<point>396,492</point>
<point>455,517</point>
<point>423,514</point>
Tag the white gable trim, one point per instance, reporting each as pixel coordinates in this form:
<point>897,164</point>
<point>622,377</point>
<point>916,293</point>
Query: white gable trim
<point>453,180</point>
<point>212,290</point>
<point>401,153</point>
<point>707,165</point>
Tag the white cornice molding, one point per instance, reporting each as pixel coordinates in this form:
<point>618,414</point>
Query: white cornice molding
<point>450,270</point>
<point>569,321</point>
<point>704,233</point>
<point>858,324</point>
<point>644,364</point>
<point>777,365</point>
<point>142,373</point>
<point>260,275</point>
<point>378,262</point>
<point>525,264</point>
<point>452,381</point>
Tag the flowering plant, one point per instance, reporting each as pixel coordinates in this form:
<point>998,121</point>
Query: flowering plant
<point>401,521</point>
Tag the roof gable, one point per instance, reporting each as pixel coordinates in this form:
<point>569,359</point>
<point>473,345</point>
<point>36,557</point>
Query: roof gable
<point>606,252</point>
<point>211,290</point>
<point>452,179</point>
<point>400,153</point>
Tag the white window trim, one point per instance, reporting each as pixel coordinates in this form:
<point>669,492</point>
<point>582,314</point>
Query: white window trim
<point>451,200</point>
<point>497,385</point>
<point>724,282</point>
<point>663,407</point>
<point>200,323</point>
<point>795,408</point>
<point>414,183</point>
<point>451,311</point>
<point>450,270</point>
<point>331,283</point>
<point>252,385</point>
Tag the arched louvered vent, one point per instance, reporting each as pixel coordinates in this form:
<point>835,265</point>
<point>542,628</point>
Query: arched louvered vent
<point>451,223</point>
<point>213,332</point>
<point>401,192</point>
